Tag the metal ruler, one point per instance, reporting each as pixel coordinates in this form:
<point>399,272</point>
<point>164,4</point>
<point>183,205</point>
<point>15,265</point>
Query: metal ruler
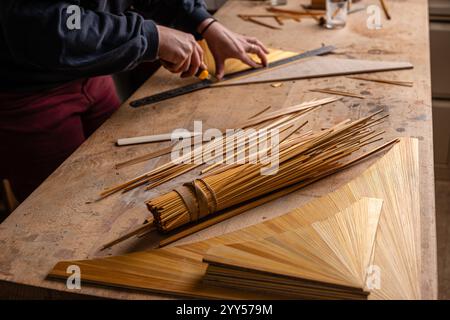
<point>209,83</point>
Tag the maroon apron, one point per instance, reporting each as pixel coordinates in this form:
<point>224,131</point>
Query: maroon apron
<point>38,131</point>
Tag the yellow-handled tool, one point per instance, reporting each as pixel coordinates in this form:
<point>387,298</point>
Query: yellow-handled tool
<point>203,74</point>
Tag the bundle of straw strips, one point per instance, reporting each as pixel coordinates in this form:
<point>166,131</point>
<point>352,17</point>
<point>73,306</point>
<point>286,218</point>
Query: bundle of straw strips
<point>302,160</point>
<point>283,120</point>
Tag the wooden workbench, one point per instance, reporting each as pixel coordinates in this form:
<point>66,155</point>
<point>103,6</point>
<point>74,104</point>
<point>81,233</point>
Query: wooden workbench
<point>55,223</point>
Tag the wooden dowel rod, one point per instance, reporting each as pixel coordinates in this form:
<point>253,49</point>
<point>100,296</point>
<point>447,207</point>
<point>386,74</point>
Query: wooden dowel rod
<point>385,9</point>
<point>155,138</point>
<point>146,227</point>
<point>393,82</point>
<point>340,93</point>
<point>260,112</point>
<point>294,12</point>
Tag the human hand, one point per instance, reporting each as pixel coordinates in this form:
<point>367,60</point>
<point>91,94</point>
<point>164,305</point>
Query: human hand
<point>225,44</point>
<point>179,52</point>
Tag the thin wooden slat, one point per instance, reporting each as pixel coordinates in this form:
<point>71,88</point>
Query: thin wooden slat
<point>394,82</point>
<point>385,9</point>
<point>145,157</point>
<point>317,67</point>
<point>340,93</point>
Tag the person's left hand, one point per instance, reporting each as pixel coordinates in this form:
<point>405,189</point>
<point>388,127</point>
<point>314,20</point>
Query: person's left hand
<point>225,44</point>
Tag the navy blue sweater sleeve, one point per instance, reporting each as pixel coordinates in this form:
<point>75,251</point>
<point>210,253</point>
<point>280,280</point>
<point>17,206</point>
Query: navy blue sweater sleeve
<point>187,14</point>
<point>37,35</point>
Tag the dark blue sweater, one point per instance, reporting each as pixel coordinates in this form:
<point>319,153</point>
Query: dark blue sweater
<point>38,49</point>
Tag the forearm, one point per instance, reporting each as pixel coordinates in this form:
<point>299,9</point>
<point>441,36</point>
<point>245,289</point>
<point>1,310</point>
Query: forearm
<point>204,25</point>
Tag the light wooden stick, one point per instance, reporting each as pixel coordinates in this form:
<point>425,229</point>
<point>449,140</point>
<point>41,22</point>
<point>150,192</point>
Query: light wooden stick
<point>145,228</point>
<point>155,138</point>
<point>144,157</point>
<point>294,12</point>
<point>260,112</point>
<point>253,20</point>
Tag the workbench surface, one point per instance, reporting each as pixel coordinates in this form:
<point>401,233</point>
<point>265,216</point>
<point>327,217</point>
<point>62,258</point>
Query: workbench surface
<point>55,223</point>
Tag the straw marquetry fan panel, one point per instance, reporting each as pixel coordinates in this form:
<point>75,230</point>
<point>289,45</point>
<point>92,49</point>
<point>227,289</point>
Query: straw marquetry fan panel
<point>327,259</point>
<point>180,271</point>
<point>394,178</point>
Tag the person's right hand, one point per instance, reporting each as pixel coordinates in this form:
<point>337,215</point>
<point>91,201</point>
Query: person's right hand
<point>179,52</point>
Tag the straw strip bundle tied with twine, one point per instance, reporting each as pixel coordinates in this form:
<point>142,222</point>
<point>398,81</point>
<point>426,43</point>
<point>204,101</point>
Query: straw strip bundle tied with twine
<point>302,160</point>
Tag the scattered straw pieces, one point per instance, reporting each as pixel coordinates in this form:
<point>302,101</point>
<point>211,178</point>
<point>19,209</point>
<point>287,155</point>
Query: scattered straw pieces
<point>385,9</point>
<point>260,112</point>
<point>393,82</point>
<point>339,93</point>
